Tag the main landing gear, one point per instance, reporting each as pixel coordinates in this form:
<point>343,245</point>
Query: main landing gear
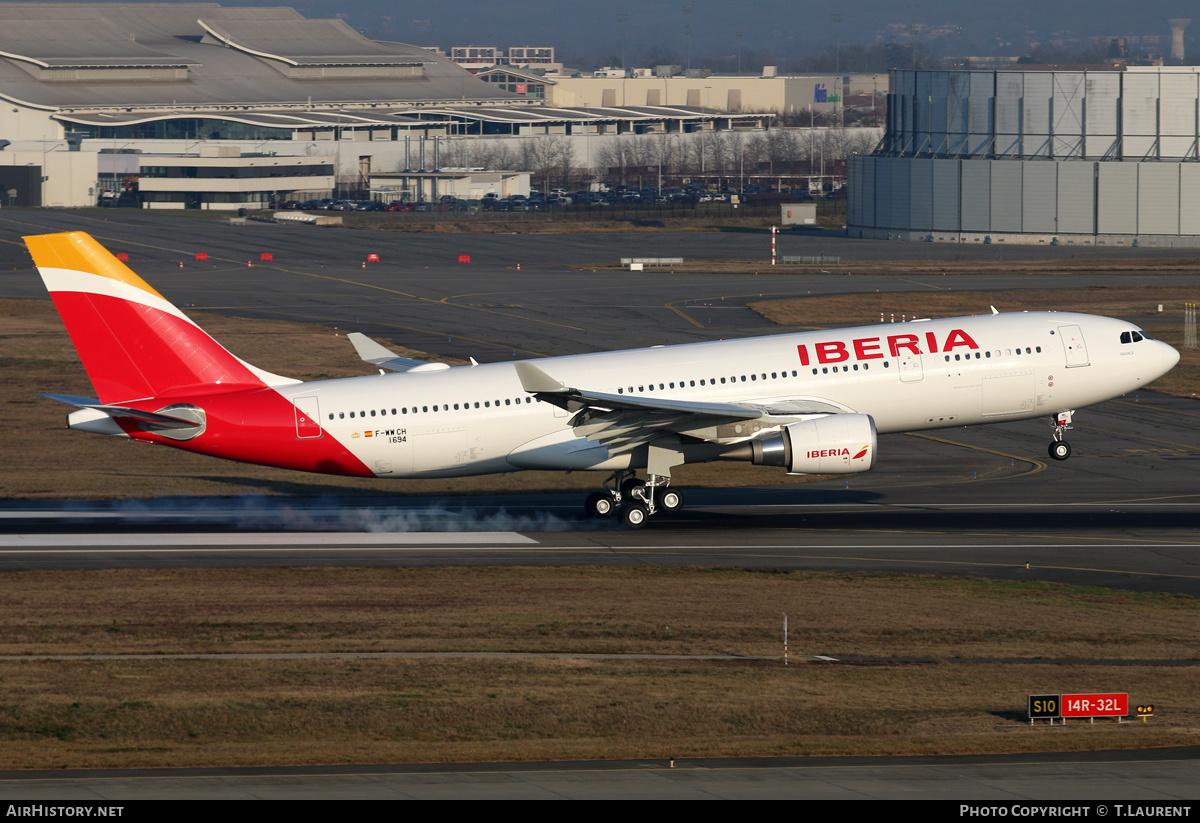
<point>1060,449</point>
<point>635,500</point>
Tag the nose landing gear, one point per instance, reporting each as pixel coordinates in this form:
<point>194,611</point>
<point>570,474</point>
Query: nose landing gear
<point>1060,449</point>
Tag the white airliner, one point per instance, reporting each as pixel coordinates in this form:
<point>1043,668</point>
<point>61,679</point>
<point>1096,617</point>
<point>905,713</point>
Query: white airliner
<point>811,403</point>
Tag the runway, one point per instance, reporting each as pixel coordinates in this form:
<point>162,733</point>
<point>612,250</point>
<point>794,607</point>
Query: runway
<point>1122,512</point>
<point>1082,781</point>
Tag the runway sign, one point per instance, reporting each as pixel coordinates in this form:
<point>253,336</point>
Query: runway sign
<point>1050,706</point>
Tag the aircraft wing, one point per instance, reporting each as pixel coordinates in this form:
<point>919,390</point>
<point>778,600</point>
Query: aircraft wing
<point>622,422</point>
<point>376,354</point>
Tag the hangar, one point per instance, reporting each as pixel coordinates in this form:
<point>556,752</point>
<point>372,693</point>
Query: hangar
<point>1096,155</point>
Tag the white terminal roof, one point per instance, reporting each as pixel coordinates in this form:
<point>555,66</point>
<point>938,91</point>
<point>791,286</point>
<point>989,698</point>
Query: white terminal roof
<point>300,42</point>
<point>42,43</point>
<point>233,57</point>
<point>124,64</point>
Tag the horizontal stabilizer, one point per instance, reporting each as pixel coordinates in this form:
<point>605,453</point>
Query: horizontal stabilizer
<point>165,421</point>
<point>377,355</point>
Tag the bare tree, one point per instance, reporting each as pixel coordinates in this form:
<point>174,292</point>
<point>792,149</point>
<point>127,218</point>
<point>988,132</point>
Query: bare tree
<point>547,157</point>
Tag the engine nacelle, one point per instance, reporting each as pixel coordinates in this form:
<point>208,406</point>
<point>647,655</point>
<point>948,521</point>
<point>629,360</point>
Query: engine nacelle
<point>837,444</point>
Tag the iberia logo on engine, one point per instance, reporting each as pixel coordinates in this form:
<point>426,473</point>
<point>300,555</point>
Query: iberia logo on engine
<point>838,453</point>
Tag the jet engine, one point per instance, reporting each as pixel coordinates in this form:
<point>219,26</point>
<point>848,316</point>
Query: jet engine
<point>837,444</point>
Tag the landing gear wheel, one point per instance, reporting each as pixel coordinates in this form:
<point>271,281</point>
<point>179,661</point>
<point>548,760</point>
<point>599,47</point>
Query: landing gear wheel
<point>627,487</point>
<point>599,504</point>
<point>634,515</point>
<point>1060,450</point>
<point>670,500</point>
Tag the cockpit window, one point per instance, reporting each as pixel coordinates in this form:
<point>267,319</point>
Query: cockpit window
<point>1132,337</point>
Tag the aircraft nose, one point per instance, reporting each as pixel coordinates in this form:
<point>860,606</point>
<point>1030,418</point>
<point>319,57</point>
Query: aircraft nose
<point>1170,356</point>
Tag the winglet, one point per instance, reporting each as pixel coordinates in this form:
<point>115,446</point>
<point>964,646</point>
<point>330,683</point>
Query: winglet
<point>373,353</point>
<point>534,380</point>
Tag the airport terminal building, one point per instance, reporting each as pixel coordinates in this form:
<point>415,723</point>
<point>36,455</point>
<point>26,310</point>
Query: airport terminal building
<point>92,78</point>
<point>1060,156</point>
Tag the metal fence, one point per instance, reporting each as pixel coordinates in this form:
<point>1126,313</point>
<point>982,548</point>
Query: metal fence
<point>831,210</point>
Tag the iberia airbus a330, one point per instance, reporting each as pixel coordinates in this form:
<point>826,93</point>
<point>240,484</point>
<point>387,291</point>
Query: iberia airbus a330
<point>811,403</point>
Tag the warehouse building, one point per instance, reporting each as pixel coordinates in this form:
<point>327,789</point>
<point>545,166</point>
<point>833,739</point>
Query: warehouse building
<point>1089,156</point>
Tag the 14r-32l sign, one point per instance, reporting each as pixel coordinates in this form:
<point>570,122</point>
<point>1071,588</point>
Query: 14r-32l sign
<point>1046,706</point>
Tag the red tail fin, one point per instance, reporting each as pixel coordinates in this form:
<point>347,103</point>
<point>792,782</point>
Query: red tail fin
<point>133,342</point>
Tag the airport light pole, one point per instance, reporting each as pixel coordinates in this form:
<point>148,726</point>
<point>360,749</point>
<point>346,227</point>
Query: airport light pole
<point>622,19</point>
<point>837,63</point>
<point>837,41</point>
<point>687,9</point>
